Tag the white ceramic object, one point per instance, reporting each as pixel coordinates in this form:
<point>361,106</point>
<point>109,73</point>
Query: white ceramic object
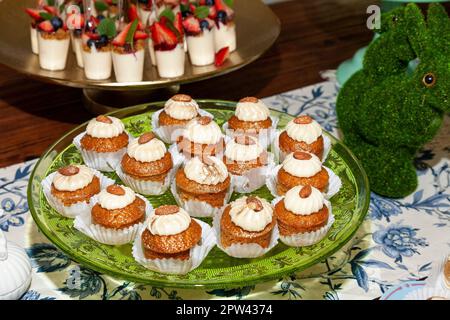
<point>53,53</point>
<point>170,63</point>
<point>34,40</point>
<point>15,270</point>
<point>129,67</point>
<point>201,48</point>
<point>225,36</point>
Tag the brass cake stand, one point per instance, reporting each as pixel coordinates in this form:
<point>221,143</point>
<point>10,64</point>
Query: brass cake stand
<point>257,29</point>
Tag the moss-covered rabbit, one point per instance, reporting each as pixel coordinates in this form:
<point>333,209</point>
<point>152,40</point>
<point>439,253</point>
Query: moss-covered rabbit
<point>386,112</point>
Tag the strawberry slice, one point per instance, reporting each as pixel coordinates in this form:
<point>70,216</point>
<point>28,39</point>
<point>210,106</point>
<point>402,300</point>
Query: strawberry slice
<point>161,34</point>
<point>75,21</point>
<point>33,13</point>
<point>133,15</point>
<point>220,5</point>
<point>140,35</point>
<point>46,26</point>
<point>212,12</point>
<point>178,23</point>
<point>120,39</point>
<point>192,25</point>
<point>50,9</point>
<point>221,56</point>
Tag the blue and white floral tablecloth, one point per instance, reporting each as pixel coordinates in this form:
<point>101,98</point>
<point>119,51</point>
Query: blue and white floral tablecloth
<point>398,242</point>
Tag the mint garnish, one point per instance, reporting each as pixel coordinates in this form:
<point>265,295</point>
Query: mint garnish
<point>201,12</point>
<point>229,3</point>
<point>168,13</point>
<point>51,3</point>
<point>107,27</point>
<point>45,15</point>
<point>130,35</point>
<point>101,6</point>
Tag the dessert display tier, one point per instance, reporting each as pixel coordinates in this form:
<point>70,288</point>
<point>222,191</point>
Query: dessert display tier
<point>219,269</point>
<point>257,29</point>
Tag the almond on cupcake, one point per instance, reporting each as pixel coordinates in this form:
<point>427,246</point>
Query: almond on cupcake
<point>301,168</point>
<point>178,111</point>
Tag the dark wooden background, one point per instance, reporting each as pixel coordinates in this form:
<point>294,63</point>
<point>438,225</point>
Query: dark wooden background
<point>315,36</point>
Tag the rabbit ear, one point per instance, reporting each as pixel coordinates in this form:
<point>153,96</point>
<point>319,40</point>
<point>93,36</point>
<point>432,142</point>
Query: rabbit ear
<point>417,29</point>
<point>438,21</point>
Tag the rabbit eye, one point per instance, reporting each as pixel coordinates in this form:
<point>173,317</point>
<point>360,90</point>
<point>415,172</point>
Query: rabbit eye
<point>429,80</point>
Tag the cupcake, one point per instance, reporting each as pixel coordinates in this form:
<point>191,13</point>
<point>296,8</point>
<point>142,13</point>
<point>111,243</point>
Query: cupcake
<point>115,217</point>
<point>178,111</point>
<point>252,117</point>
<point>146,166</point>
<point>170,233</point>
<point>202,186</point>
<point>247,161</point>
<point>246,228</point>
<point>103,143</point>
<point>301,168</point>
<point>201,137</point>
<point>172,242</point>
<point>302,134</point>
<point>303,217</point>
<point>70,189</point>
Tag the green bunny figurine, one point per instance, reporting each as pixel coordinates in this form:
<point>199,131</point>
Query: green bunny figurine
<point>387,111</point>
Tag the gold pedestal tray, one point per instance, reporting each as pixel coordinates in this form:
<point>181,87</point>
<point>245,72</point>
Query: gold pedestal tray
<point>257,30</point>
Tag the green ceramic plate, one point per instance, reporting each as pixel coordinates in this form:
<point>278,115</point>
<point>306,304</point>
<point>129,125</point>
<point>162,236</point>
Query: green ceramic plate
<point>218,270</point>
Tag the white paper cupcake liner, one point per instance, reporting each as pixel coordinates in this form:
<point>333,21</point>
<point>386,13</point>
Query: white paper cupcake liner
<point>200,209</point>
<point>103,161</point>
<point>427,292</point>
<point>334,182</point>
<point>150,187</point>
<point>77,208</point>
<point>309,238</point>
<point>265,137</point>
<point>253,179</point>
<point>83,223</point>
<point>281,155</point>
<point>248,250</point>
<point>173,266</point>
<point>169,134</point>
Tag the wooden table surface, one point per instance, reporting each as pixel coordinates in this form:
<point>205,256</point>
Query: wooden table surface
<point>315,36</point>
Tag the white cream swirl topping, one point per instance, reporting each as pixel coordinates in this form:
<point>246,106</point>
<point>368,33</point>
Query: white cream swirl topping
<point>203,131</point>
<point>304,129</point>
<point>303,200</point>
<point>210,172</point>
<point>72,178</point>
<point>252,109</point>
<point>169,224</point>
<point>302,164</point>
<point>105,127</point>
<point>116,197</point>
<point>146,151</point>
<point>243,148</point>
<point>251,213</point>
<point>181,107</point>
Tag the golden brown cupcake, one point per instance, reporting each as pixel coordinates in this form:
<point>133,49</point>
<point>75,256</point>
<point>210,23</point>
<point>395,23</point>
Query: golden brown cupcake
<point>170,233</point>
<point>204,180</point>
<point>178,111</point>
<point>75,183</point>
<point>302,210</point>
<point>247,220</point>
<point>104,134</point>
<point>201,137</point>
<point>147,159</point>
<point>251,116</point>
<point>118,207</point>
<point>301,168</point>
<point>302,134</point>
<point>243,154</point>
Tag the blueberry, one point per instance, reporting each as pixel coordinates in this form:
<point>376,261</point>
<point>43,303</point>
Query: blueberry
<point>143,1</point>
<point>100,17</point>
<point>104,40</point>
<point>221,16</point>
<point>210,2</point>
<point>204,24</point>
<point>90,43</point>
<point>56,22</point>
<point>77,32</point>
<point>186,13</point>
